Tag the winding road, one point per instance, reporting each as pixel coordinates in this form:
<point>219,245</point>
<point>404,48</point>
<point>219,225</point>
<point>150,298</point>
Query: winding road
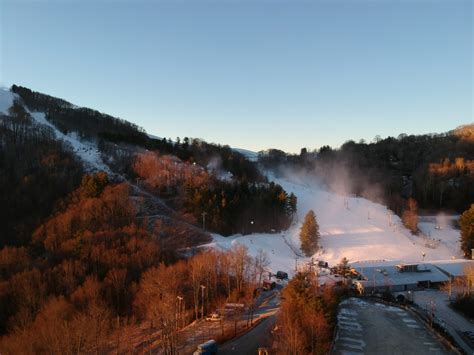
<point>258,336</point>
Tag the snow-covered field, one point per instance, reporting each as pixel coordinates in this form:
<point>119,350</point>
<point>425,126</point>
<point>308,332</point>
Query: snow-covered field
<point>350,227</point>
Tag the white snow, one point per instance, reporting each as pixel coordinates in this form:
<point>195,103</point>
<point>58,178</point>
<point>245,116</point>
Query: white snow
<point>86,150</point>
<point>152,136</point>
<point>440,230</point>
<point>351,227</point>
<point>250,155</point>
<point>6,100</point>
<point>280,254</point>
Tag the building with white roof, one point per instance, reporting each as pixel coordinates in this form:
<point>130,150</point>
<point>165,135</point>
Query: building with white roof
<point>455,268</point>
<point>397,278</point>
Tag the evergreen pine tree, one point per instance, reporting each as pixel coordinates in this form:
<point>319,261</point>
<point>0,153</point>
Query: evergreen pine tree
<point>309,234</point>
<point>292,202</point>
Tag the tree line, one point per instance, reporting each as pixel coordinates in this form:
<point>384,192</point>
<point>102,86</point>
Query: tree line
<point>36,171</point>
<point>90,264</point>
<point>226,207</point>
<point>75,263</point>
<point>245,204</point>
<point>436,170</point>
<point>307,316</point>
<point>92,124</point>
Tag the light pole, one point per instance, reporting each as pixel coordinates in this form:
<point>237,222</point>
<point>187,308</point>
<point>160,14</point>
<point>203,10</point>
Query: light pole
<point>180,311</point>
<point>202,301</point>
<point>204,214</point>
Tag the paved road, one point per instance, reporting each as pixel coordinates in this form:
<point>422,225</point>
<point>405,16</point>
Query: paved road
<point>442,309</point>
<point>372,328</point>
<point>258,336</point>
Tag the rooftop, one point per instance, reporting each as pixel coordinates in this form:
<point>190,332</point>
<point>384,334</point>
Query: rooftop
<point>390,275</point>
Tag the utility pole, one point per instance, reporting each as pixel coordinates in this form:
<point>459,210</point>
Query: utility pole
<point>180,311</point>
<point>202,301</point>
<point>204,214</point>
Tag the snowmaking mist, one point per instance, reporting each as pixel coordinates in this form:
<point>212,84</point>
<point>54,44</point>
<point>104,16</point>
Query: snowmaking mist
<point>338,177</point>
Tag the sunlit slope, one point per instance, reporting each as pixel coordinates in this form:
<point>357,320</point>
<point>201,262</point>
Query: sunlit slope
<point>350,227</point>
<point>359,229</point>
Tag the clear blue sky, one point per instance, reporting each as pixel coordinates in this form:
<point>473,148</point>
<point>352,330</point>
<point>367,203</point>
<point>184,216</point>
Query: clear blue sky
<point>252,74</point>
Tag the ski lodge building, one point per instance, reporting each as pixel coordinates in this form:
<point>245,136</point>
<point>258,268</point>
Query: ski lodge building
<point>406,276</point>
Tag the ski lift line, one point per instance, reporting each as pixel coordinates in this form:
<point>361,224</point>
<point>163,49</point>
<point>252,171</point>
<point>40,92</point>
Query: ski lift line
<point>292,247</point>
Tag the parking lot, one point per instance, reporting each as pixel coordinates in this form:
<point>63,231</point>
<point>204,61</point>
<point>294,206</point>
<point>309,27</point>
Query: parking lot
<point>366,327</point>
<point>458,326</point>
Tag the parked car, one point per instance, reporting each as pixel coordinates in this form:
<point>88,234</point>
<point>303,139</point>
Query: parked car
<point>282,275</point>
<point>268,285</point>
<point>214,316</point>
<point>323,264</point>
<point>207,348</point>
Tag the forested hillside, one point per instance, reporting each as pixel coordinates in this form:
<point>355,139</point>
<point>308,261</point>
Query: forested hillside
<point>436,170</point>
<point>35,172</point>
<point>79,246</point>
<point>91,124</point>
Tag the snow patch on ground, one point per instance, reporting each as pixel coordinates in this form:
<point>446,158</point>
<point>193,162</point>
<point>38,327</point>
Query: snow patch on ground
<point>280,254</point>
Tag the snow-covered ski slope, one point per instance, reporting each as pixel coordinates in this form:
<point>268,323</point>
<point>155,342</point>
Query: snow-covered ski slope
<point>86,150</point>
<point>6,100</point>
<point>350,227</point>
<point>252,156</point>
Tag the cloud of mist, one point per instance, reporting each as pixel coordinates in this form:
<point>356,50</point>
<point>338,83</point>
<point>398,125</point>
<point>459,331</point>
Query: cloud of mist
<point>340,177</point>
